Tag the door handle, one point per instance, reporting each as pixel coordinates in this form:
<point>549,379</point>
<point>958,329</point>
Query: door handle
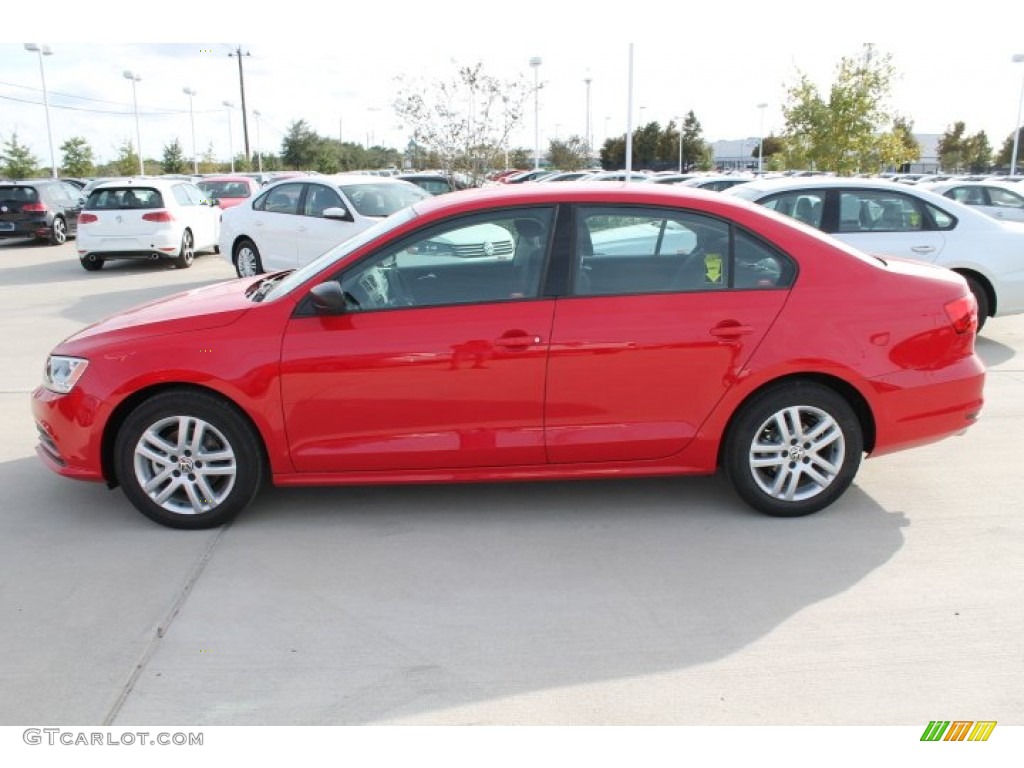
<point>923,248</point>
<point>730,329</point>
<point>516,340</point>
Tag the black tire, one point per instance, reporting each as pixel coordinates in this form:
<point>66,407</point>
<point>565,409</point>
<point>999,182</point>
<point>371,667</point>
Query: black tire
<point>58,231</point>
<point>92,263</point>
<point>980,296</point>
<point>187,253</point>
<point>795,476</point>
<point>247,259</point>
<point>159,444</point>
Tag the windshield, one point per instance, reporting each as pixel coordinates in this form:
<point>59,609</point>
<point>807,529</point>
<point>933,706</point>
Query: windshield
<point>372,199</point>
<point>324,262</point>
<point>123,198</point>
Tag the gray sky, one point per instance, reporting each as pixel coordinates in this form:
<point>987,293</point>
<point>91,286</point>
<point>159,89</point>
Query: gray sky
<point>337,69</point>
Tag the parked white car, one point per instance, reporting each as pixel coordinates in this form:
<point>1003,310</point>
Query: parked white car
<point>889,219</point>
<point>146,219</point>
<point>292,222</point>
<point>998,199</point>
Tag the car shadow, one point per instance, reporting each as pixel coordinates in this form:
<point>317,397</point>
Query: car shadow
<point>993,353</point>
<point>65,267</point>
<point>368,603</point>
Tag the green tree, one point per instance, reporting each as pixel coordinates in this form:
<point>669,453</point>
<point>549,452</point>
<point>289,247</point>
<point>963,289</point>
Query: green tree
<point>174,158</point>
<point>127,161</point>
<point>569,155</point>
<point>978,153</point>
<point>696,152</point>
<point>208,161</point>
<point>78,158</point>
<point>848,131</point>
<point>301,146</point>
<point>17,160</point>
<point>951,148</point>
<point>520,157</point>
<point>464,120</point>
<point>1003,158</point>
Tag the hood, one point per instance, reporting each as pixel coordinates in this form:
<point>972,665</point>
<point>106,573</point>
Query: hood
<point>211,306</point>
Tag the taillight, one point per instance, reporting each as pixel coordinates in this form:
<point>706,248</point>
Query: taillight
<point>963,314</point>
<point>33,208</point>
<point>87,218</point>
<point>162,216</point>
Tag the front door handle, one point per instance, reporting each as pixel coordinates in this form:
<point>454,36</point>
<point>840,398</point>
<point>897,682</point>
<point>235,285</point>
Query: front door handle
<point>923,248</point>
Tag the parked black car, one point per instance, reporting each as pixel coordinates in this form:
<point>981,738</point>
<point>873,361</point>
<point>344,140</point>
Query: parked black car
<point>45,209</point>
<point>434,183</point>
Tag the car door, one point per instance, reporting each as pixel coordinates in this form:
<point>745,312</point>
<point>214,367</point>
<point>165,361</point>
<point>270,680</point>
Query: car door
<point>437,363</point>
<point>273,225</point>
<point>650,340</point>
<point>316,233</point>
<point>888,222</point>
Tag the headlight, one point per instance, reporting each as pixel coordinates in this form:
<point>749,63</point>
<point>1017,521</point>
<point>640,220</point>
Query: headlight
<point>62,373</point>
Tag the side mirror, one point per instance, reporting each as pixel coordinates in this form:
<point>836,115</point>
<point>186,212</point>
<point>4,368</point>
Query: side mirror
<point>81,201</point>
<point>337,213</point>
<point>328,298</point>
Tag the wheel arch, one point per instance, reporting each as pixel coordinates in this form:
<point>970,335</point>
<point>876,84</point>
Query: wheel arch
<point>844,389</point>
<point>984,282</point>
<point>130,403</point>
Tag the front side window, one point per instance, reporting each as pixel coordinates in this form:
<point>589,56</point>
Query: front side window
<point>377,199</point>
<point>1004,198</point>
<point>497,256</point>
<point>876,210</point>
<point>318,199</point>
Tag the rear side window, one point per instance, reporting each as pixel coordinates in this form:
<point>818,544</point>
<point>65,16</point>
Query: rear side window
<point>124,198</point>
<point>282,199</point>
<point>874,210</point>
<point>805,205</point>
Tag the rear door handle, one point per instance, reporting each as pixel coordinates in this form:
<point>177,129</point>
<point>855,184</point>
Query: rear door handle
<point>516,340</point>
<point>730,329</point>
<point>923,248</point>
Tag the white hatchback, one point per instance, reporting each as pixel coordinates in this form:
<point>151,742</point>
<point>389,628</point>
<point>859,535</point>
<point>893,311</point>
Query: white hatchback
<point>292,222</point>
<point>143,218</point>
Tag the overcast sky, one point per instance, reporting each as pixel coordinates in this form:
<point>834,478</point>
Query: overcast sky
<point>335,65</point>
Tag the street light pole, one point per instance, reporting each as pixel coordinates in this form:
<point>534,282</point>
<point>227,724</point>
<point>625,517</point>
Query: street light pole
<point>192,116</point>
<point>680,119</point>
<point>760,141</point>
<point>129,75</point>
<point>1017,59</point>
<point>44,50</point>
<point>589,138</point>
<point>535,63</point>
<point>231,140</point>
<point>259,154</point>
<point>241,86</point>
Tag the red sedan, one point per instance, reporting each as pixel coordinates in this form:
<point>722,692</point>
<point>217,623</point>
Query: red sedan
<point>229,191</point>
<point>636,330</point>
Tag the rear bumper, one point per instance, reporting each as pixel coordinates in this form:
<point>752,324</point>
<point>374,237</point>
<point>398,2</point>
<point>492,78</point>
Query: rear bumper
<point>37,227</point>
<point>911,413</point>
<point>165,244</point>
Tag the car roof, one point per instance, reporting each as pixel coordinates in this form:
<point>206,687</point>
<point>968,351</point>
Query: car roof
<point>227,177</point>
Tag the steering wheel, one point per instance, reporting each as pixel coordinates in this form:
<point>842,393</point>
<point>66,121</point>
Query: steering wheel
<point>367,290</point>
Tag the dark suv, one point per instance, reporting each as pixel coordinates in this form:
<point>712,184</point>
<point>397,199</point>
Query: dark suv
<point>45,209</point>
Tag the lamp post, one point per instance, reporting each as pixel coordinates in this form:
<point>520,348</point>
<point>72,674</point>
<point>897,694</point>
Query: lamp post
<point>680,119</point>
<point>192,116</point>
<point>44,50</point>
<point>589,138</point>
<point>129,75</point>
<point>535,62</point>
<point>231,141</point>
<point>1017,59</point>
<point>760,140</point>
<point>259,155</point>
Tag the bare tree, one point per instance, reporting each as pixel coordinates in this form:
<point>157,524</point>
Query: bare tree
<point>465,121</point>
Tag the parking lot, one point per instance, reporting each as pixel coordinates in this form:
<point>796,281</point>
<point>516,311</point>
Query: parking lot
<point>663,601</point>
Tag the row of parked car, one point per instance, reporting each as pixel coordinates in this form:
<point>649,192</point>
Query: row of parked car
<point>971,227</point>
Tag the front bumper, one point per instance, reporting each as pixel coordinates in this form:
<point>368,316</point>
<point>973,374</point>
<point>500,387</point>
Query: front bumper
<point>70,439</point>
